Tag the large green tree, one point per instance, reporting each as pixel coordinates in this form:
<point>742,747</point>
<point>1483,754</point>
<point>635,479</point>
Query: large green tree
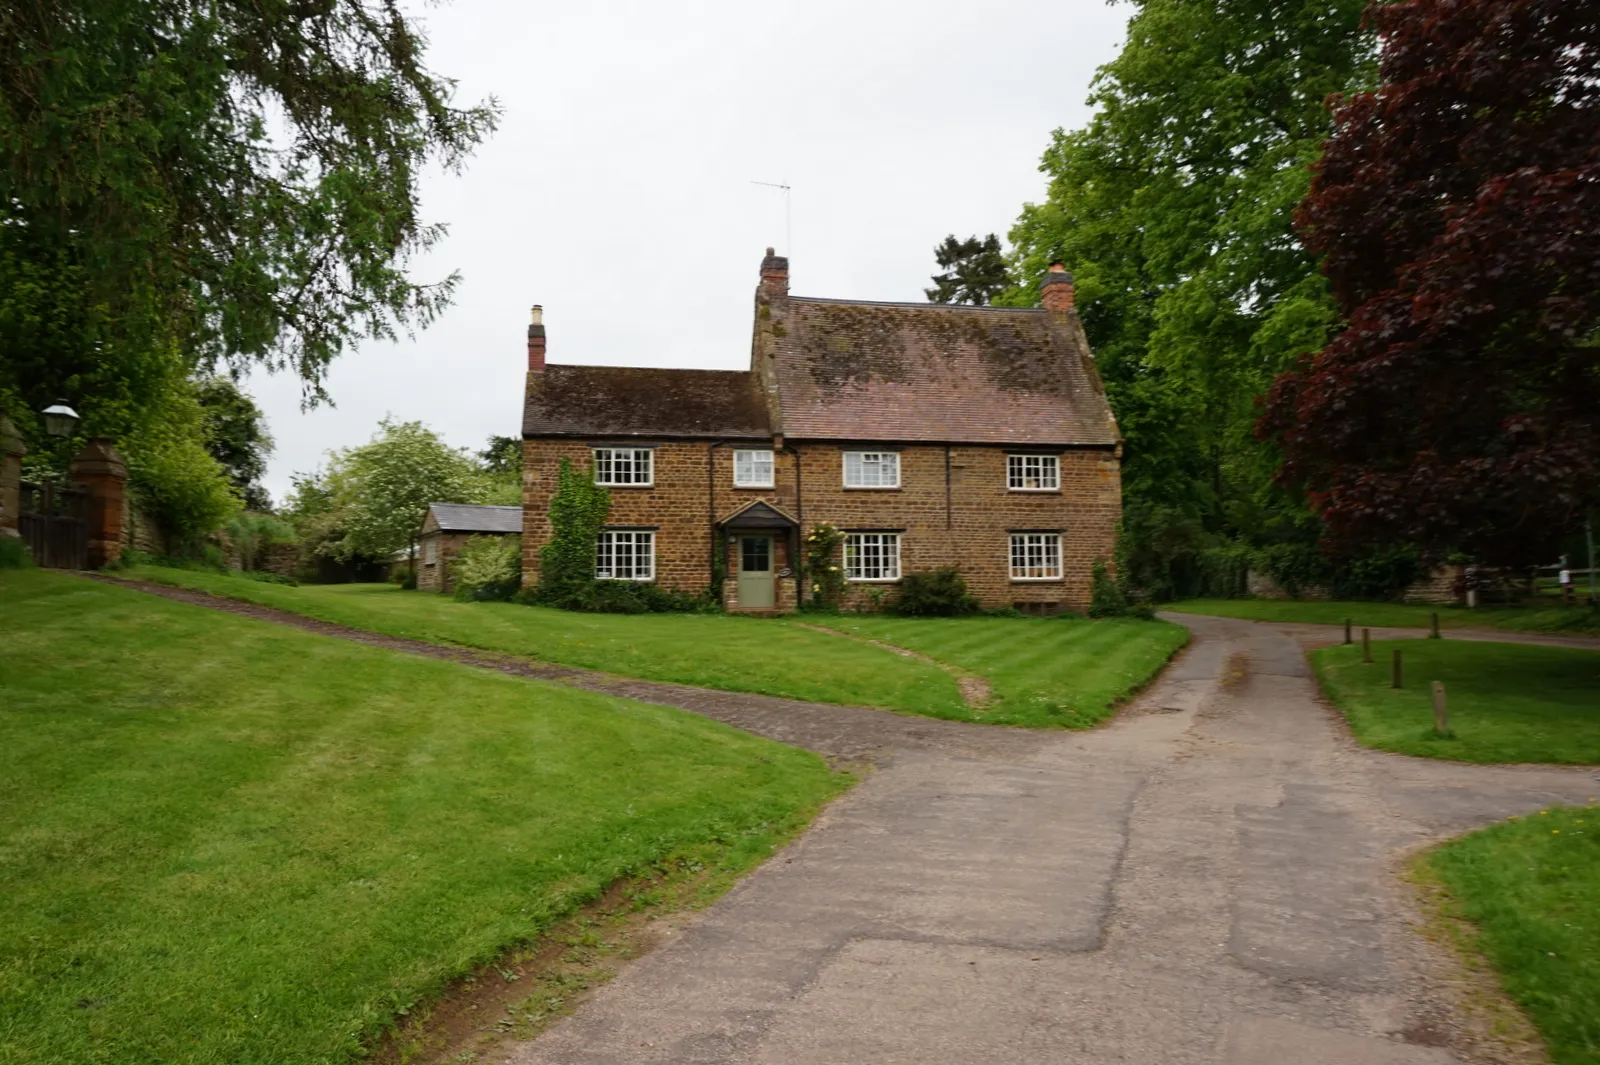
<point>1174,209</point>
<point>237,437</point>
<point>236,179</point>
<point>379,492</point>
<point>975,271</point>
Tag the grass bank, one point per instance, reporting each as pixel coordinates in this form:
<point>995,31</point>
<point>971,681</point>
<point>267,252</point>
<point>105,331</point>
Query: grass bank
<point>1529,890</point>
<point>228,841</point>
<point>707,650</point>
<point>1567,620</point>
<point>1508,702</point>
<point>1044,672</point>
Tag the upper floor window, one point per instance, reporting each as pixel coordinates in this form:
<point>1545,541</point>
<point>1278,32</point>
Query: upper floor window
<point>871,469</point>
<point>752,469</point>
<point>624,466</point>
<point>1033,473</point>
<point>625,555</point>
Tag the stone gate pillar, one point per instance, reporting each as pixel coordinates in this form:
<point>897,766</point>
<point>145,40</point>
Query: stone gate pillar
<point>11,451</point>
<point>99,469</point>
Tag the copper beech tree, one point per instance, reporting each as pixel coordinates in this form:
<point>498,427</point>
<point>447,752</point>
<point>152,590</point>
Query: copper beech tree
<point>1457,209</point>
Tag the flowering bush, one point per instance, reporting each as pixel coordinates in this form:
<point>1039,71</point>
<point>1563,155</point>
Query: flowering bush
<point>823,573</point>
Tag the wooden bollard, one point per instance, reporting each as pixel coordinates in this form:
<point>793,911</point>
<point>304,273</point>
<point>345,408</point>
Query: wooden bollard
<point>1347,640</point>
<point>1434,635</point>
<point>1441,712</point>
<point>1366,645</point>
<point>1395,681</point>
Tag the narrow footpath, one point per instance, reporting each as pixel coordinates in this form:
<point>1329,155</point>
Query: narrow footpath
<point>1212,878</point>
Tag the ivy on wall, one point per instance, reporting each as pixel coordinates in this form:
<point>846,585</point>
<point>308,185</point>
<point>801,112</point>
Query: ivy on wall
<point>578,511</point>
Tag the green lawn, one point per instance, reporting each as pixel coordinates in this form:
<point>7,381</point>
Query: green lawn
<point>229,841</point>
<point>1508,702</point>
<point>1531,889</point>
<point>709,650</point>
<point>1574,620</point>
<point>1045,672</point>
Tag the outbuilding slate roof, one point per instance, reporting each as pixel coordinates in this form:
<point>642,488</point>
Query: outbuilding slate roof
<point>850,370</point>
<point>469,518</point>
<point>627,401</point>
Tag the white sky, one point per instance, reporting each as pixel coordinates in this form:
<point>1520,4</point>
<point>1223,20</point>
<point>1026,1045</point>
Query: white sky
<point>617,191</point>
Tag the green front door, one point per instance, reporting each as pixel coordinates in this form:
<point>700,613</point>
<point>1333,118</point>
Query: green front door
<point>755,572</point>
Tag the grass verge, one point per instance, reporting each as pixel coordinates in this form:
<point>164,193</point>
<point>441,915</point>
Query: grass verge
<point>711,651</point>
<point>1567,620</point>
<point>1042,672</point>
<point>222,840</point>
<point>1508,702</point>
<point>1525,894</point>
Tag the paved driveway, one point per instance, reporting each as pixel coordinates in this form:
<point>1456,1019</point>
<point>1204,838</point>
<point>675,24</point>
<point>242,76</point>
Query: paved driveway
<point>1209,879</point>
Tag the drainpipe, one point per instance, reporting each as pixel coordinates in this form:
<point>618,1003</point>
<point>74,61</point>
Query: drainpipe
<point>711,514</point>
<point>947,517</point>
<point>795,548</point>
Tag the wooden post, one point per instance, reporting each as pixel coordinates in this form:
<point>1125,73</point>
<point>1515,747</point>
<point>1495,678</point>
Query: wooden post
<point>1394,681</point>
<point>1366,645</point>
<point>1434,635</point>
<point>1441,712</point>
<point>1347,640</point>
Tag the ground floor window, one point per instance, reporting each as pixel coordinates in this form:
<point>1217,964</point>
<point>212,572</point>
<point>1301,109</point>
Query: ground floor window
<point>872,556</point>
<point>625,556</point>
<point>1035,556</point>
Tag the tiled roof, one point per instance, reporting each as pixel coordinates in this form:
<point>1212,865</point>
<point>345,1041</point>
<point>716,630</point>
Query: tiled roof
<point>468,518</point>
<point>622,401</point>
<point>850,370</point>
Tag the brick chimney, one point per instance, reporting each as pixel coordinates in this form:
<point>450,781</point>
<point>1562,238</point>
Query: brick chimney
<point>536,341</point>
<point>775,276</point>
<point>1056,294</point>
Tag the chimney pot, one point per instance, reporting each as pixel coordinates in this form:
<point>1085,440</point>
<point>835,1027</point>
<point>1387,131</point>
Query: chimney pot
<point>536,341</point>
<point>1057,293</point>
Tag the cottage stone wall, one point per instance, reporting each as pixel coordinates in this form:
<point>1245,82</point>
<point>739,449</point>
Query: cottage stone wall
<point>953,508</point>
<point>435,576</point>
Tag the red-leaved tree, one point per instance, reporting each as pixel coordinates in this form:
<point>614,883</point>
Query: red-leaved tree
<point>1458,210</point>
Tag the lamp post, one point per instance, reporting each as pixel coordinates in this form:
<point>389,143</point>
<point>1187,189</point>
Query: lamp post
<point>59,421</point>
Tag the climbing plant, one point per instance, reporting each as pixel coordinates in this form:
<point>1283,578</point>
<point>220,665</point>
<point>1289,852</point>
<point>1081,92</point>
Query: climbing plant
<point>823,572</point>
<point>578,512</point>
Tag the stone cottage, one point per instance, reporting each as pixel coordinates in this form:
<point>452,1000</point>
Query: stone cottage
<point>930,435</point>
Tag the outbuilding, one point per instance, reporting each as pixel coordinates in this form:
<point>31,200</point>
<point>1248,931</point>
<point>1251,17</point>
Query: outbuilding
<point>445,531</point>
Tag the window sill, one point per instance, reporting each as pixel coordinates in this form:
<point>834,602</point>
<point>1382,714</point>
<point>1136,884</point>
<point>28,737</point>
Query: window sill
<point>872,580</point>
<point>1038,580</point>
<point>628,580</point>
<point>1035,491</point>
<point>604,484</point>
<point>872,488</point>
<point>754,487</point>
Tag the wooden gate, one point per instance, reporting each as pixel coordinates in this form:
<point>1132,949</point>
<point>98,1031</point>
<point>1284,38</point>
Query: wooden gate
<point>54,523</point>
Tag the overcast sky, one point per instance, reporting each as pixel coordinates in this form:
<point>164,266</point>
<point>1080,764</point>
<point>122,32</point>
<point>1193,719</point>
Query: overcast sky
<point>617,192</point>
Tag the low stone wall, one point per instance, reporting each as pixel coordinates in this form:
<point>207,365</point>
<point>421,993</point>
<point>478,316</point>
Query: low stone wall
<point>1442,587</point>
<point>1262,586</point>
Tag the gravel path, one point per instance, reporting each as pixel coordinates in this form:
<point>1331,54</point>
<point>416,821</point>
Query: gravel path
<point>1209,879</point>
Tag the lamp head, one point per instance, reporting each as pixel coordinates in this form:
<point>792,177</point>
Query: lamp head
<point>60,419</point>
